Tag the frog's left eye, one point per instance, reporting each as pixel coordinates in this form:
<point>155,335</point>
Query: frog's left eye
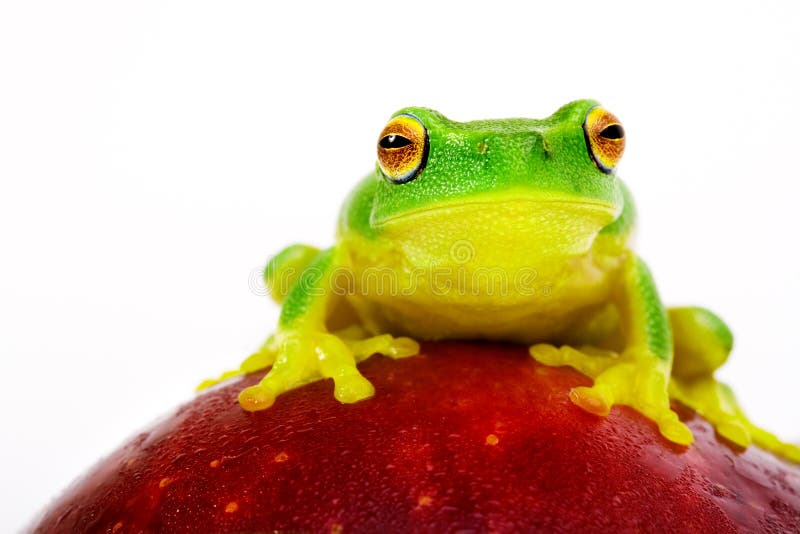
<point>605,138</point>
<point>402,149</point>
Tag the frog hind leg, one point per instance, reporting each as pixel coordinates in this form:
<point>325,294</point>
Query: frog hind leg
<point>702,344</point>
<point>284,268</point>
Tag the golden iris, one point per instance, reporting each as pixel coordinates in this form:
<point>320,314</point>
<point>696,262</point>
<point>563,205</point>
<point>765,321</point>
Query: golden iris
<point>402,149</point>
<point>605,138</point>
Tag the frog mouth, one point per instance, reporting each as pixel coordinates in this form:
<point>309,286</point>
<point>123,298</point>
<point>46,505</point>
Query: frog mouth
<point>515,209</point>
<point>506,232</point>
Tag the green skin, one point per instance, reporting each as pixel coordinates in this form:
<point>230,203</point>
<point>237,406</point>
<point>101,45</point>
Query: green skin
<point>520,192</point>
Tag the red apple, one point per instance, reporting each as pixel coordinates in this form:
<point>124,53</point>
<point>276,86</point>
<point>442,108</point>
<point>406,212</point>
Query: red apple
<point>465,437</point>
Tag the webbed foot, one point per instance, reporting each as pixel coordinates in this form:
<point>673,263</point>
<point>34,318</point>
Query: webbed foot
<point>301,356</point>
<point>637,382</point>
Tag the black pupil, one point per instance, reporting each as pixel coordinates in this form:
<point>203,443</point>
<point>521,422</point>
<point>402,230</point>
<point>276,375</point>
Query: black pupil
<point>394,141</point>
<point>613,131</point>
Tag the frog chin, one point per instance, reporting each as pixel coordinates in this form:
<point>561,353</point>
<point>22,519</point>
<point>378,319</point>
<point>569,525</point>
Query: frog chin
<point>502,233</point>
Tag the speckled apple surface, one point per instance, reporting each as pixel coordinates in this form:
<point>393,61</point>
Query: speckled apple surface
<point>465,437</point>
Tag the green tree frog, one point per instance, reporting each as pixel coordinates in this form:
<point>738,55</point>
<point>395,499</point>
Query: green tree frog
<point>513,230</point>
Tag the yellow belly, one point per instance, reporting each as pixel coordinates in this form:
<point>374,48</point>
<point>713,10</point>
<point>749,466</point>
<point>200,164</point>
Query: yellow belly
<point>538,300</point>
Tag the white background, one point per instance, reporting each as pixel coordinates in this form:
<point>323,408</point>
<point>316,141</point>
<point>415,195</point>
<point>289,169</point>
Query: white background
<point>153,154</point>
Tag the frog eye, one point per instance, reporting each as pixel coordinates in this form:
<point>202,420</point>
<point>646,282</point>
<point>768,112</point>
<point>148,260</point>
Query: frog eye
<point>605,138</point>
<point>402,149</point>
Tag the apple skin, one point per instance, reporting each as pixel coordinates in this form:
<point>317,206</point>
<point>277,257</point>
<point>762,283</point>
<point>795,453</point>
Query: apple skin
<point>465,437</point>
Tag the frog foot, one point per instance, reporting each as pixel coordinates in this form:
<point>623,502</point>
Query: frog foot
<point>300,356</point>
<point>716,402</point>
<point>618,379</point>
<point>640,385</point>
<point>261,359</point>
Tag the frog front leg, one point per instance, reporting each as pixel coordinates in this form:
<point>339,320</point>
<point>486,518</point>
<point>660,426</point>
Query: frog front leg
<point>302,350</point>
<point>639,376</point>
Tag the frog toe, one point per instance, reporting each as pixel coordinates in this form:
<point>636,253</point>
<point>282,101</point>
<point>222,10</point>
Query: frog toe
<point>790,452</point>
<point>547,355</point>
<point>385,344</point>
<point>255,398</point>
<point>403,347</point>
<point>588,360</point>
<point>283,377</point>
<point>261,359</point>
<point>205,384</point>
<point>596,399</point>
<point>674,430</point>
<point>735,432</point>
<point>352,388</point>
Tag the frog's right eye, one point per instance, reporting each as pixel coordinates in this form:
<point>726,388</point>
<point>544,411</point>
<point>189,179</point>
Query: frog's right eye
<point>605,138</point>
<point>402,149</point>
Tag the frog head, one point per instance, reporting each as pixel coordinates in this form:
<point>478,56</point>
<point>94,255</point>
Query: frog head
<point>515,186</point>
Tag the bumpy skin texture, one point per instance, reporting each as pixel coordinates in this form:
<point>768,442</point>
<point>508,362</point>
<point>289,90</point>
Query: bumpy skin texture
<point>465,437</point>
<point>511,230</point>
